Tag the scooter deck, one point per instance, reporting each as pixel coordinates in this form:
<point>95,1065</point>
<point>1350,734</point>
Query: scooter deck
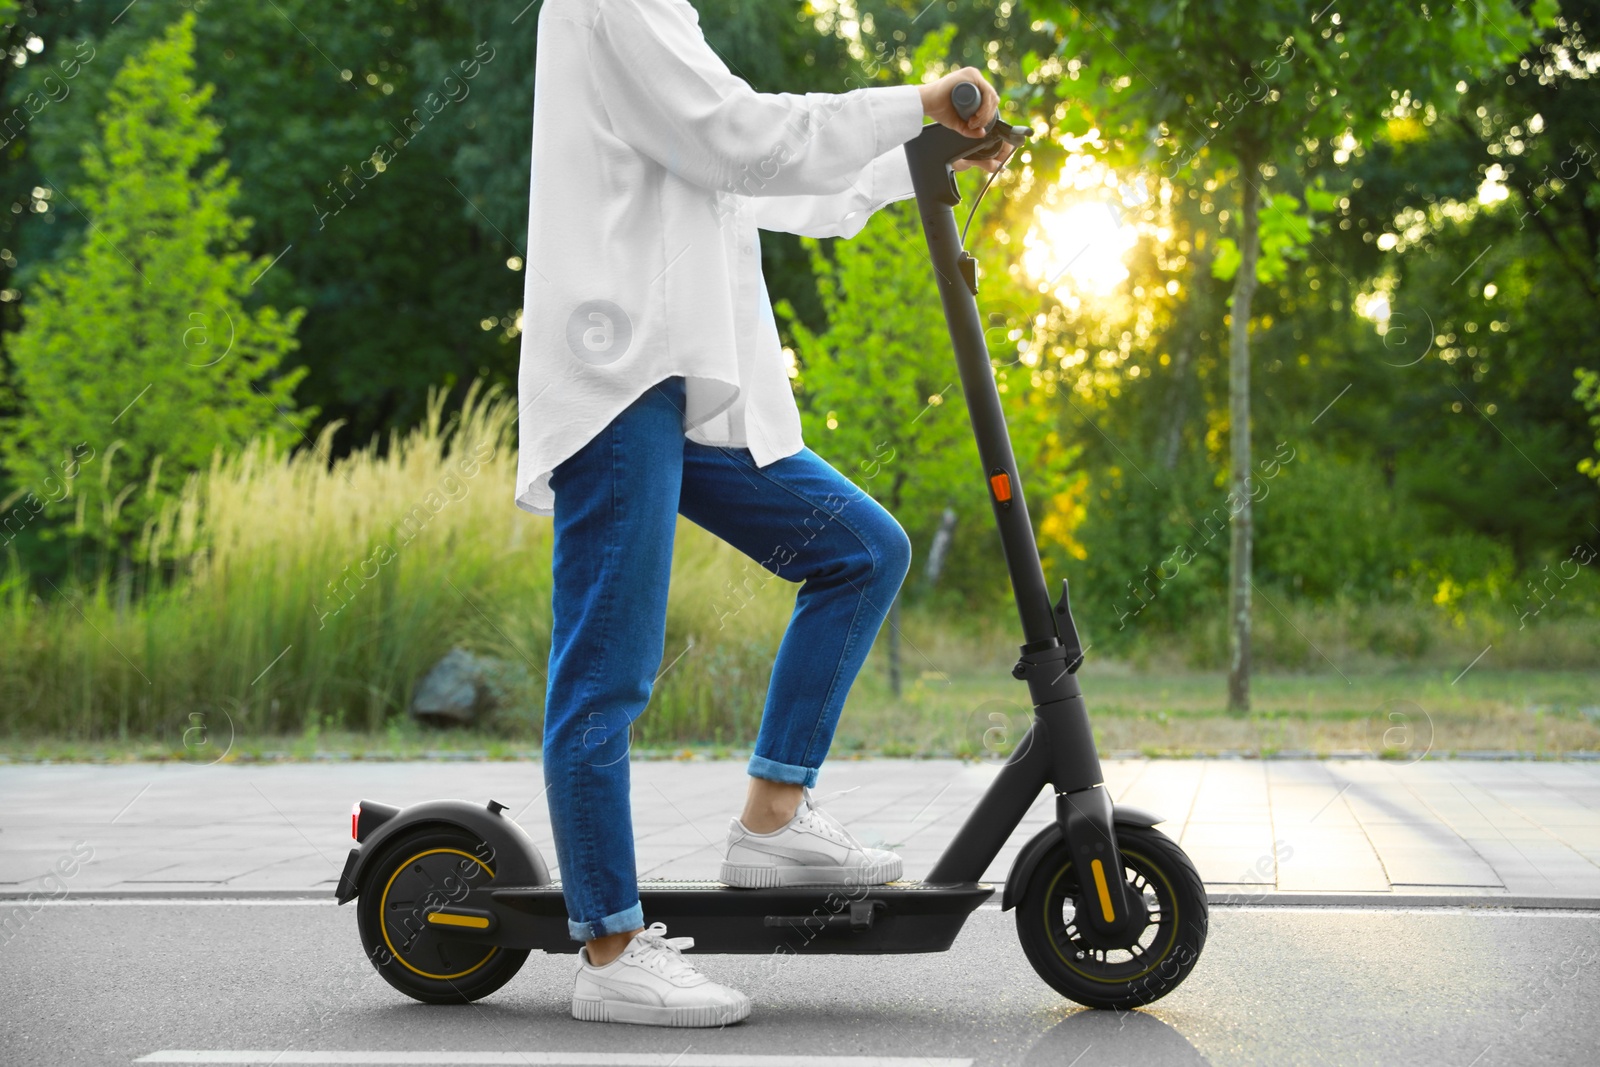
<point>897,917</point>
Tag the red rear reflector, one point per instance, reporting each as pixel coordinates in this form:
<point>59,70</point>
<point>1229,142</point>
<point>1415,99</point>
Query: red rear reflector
<point>1001,484</point>
<point>355,821</point>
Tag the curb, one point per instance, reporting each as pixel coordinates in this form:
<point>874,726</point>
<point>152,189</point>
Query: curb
<point>1403,900</point>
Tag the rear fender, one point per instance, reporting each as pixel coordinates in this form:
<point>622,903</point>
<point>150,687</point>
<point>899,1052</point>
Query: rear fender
<point>508,851</point>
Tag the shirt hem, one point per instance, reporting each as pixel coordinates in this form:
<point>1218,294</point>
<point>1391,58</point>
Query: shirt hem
<point>526,489</point>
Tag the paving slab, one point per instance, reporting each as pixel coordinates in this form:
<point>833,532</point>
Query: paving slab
<point>1286,831</point>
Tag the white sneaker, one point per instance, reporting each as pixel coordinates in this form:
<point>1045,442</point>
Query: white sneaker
<point>813,849</point>
<point>651,983</point>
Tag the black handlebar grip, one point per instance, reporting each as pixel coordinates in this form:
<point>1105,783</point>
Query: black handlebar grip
<point>965,98</point>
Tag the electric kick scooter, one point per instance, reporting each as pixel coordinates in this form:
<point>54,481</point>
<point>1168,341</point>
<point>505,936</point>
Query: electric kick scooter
<point>1110,912</point>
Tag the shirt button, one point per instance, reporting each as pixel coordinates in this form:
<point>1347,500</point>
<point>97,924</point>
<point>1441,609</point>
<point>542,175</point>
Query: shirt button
<point>747,250</point>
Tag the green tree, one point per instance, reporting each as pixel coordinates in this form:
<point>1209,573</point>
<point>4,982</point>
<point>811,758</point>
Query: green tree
<point>138,357</point>
<point>311,96</point>
<point>1238,94</point>
<point>1492,236</point>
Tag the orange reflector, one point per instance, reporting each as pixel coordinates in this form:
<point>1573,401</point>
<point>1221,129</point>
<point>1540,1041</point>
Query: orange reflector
<point>1103,889</point>
<point>1001,484</point>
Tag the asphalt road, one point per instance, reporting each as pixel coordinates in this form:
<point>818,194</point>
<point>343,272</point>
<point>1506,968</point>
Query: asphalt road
<point>110,982</point>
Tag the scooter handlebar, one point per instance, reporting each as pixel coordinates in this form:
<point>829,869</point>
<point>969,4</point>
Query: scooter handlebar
<point>965,98</point>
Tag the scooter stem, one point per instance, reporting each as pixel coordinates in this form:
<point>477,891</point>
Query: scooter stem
<point>930,155</point>
<point>1059,748</point>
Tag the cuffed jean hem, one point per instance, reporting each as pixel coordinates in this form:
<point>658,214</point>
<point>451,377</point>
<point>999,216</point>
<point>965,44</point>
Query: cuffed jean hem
<point>616,923</point>
<point>761,767</point>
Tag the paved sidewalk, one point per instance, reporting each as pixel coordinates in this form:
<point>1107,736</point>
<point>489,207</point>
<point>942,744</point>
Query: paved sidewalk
<point>1286,831</point>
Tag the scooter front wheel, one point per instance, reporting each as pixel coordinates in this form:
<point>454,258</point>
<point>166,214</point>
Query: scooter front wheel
<point>1160,957</point>
<point>416,874</point>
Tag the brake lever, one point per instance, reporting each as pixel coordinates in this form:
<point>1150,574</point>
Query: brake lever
<point>999,133</point>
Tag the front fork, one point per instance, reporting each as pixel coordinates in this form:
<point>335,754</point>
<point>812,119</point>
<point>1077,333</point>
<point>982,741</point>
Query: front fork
<point>1083,806</point>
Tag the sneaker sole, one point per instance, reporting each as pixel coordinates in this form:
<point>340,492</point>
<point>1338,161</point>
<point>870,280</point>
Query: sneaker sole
<point>598,1010</point>
<point>771,876</point>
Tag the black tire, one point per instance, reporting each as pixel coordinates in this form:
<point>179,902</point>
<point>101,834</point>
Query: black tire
<point>1158,959</point>
<point>419,870</point>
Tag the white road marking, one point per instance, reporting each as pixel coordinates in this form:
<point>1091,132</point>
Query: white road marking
<point>540,1059</point>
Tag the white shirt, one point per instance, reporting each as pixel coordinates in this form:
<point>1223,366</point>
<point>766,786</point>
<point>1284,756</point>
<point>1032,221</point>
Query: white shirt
<point>653,168</point>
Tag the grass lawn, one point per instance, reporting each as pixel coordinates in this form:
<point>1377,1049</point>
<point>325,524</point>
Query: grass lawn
<point>980,714</point>
<point>1400,714</point>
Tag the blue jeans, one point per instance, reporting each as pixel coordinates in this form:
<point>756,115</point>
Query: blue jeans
<point>616,503</point>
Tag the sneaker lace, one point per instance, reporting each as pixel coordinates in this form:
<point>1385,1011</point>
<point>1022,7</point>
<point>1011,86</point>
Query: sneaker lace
<point>662,953</point>
<point>826,824</point>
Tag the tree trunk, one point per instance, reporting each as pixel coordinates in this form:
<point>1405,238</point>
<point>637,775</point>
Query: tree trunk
<point>941,545</point>
<point>894,646</point>
<point>1244,291</point>
<point>1178,410</point>
<point>893,505</point>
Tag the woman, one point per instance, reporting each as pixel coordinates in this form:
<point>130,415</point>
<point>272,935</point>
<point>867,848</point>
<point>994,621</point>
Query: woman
<point>652,385</point>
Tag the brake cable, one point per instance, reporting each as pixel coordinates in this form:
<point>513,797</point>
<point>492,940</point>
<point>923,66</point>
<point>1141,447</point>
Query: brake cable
<point>973,210</point>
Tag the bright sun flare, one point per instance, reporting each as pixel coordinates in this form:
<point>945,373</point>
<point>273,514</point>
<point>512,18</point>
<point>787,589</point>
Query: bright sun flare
<point>1078,249</point>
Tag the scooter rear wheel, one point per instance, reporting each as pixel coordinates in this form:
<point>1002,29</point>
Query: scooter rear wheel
<point>415,874</point>
<point>1158,959</point>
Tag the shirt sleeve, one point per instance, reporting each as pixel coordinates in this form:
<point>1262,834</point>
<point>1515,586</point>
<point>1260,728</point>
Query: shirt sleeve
<point>670,97</point>
<point>885,180</point>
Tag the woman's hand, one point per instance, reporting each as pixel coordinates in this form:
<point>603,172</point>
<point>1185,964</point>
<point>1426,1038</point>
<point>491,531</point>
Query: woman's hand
<point>936,106</point>
<point>936,102</point>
